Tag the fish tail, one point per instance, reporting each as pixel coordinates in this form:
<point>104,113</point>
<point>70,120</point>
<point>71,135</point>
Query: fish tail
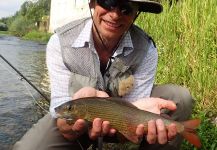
<point>189,132</point>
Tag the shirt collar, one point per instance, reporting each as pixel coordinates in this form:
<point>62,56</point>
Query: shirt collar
<point>125,46</point>
<point>84,39</point>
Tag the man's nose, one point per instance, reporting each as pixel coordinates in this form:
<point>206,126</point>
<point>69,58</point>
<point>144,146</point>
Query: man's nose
<point>115,13</point>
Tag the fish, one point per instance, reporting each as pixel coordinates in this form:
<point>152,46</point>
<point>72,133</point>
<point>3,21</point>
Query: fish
<point>123,116</point>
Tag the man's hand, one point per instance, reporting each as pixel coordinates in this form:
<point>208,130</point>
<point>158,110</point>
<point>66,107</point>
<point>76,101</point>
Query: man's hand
<point>71,132</point>
<point>157,132</point>
<point>154,105</point>
<point>99,127</point>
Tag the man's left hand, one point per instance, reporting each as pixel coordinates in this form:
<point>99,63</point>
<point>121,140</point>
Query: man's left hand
<point>157,131</point>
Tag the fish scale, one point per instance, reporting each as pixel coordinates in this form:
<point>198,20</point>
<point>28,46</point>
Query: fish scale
<point>106,113</point>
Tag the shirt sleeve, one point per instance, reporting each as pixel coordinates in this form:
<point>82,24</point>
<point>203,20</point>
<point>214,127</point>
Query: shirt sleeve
<point>144,75</point>
<point>58,73</point>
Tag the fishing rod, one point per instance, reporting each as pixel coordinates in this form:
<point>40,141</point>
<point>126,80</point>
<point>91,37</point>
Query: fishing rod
<point>100,139</point>
<point>23,77</point>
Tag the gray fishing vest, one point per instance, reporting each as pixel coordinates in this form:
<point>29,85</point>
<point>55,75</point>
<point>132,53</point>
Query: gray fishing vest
<point>85,70</point>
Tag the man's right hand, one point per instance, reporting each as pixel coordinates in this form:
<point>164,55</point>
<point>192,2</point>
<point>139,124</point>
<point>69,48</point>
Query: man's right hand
<point>71,132</point>
<point>99,127</point>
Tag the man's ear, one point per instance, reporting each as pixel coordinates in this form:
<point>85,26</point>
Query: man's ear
<point>92,3</point>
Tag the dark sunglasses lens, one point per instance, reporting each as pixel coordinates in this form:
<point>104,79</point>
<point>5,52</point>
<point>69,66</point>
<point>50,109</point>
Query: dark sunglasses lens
<point>126,8</point>
<point>107,4</point>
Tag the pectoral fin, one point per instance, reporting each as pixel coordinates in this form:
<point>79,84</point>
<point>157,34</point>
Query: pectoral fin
<point>133,138</point>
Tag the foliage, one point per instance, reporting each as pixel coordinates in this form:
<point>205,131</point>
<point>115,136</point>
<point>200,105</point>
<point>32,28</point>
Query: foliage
<point>207,131</point>
<point>20,26</point>
<point>8,20</point>
<point>38,36</point>
<point>30,13</point>
<point>4,33</point>
<point>186,34</point>
<point>35,11</point>
<point>3,27</point>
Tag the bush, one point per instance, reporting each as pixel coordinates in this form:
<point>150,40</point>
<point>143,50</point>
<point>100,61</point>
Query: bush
<point>37,36</point>
<point>3,27</point>
<point>20,26</point>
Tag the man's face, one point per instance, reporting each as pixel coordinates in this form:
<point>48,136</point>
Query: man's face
<point>112,23</point>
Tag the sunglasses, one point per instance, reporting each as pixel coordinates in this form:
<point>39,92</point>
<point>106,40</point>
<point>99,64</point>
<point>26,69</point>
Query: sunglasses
<point>126,8</point>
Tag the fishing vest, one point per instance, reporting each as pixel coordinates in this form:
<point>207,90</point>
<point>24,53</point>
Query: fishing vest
<point>85,70</point>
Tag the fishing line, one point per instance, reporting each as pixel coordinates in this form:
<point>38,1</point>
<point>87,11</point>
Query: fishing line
<point>80,145</point>
<point>9,70</point>
<point>28,90</point>
<point>23,77</point>
<point>25,85</point>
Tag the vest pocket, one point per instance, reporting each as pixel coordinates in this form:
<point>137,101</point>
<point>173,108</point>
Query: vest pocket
<point>77,81</point>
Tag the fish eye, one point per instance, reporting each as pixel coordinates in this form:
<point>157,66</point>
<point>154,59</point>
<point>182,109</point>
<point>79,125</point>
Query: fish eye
<point>70,107</point>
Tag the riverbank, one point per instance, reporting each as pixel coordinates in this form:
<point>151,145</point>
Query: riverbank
<point>41,37</point>
<point>37,36</point>
<point>5,33</point>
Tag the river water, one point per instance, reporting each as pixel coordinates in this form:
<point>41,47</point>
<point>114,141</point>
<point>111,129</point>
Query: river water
<point>18,109</point>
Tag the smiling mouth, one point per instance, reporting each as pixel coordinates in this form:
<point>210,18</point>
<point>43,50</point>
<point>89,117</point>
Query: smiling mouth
<point>112,25</point>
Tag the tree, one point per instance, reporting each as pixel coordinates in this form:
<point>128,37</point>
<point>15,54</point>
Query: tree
<point>25,19</point>
<point>25,7</point>
<point>20,26</point>
<point>38,10</point>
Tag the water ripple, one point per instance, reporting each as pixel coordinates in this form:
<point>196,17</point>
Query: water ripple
<point>17,110</point>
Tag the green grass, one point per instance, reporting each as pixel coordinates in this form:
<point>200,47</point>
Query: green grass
<point>5,33</point>
<point>33,35</point>
<point>37,36</point>
<point>186,37</point>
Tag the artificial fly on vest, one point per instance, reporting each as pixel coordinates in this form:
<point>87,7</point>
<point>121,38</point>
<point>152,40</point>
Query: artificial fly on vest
<point>123,116</point>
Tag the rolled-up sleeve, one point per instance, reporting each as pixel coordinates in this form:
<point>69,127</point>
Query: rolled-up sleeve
<point>58,73</point>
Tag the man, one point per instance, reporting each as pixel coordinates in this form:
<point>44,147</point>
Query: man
<point>106,55</point>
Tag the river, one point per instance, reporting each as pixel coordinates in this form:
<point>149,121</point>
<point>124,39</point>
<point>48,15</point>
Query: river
<point>18,108</point>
